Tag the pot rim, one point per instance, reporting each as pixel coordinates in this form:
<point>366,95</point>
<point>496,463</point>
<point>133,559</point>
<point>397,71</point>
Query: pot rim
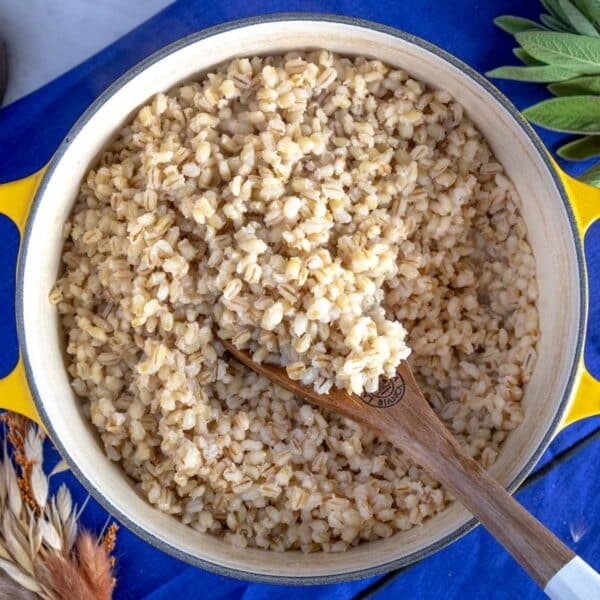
<point>155,57</point>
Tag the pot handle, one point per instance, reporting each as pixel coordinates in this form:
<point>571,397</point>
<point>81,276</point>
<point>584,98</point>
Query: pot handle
<point>15,201</point>
<point>585,201</point>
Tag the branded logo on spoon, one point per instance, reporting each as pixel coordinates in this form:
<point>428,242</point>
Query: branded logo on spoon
<point>389,393</point>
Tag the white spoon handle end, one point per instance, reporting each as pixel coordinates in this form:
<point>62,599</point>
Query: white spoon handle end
<point>575,581</point>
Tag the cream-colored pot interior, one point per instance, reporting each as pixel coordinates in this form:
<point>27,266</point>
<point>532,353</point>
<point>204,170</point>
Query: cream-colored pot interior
<point>550,234</point>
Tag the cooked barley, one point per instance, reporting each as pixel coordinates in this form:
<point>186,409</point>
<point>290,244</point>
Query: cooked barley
<point>309,207</point>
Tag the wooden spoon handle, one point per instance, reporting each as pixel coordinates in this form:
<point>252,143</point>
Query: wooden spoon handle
<point>422,436</point>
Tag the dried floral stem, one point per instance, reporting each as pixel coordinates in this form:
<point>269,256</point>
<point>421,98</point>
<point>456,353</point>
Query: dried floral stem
<point>16,430</point>
<point>40,547</point>
<point>109,541</point>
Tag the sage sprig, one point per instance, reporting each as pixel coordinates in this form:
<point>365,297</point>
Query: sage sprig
<point>525,58</point>
<point>539,73</point>
<point>591,176</point>
<point>581,148</point>
<point>571,114</point>
<point>579,53</point>
<point>577,86</point>
<point>562,50</point>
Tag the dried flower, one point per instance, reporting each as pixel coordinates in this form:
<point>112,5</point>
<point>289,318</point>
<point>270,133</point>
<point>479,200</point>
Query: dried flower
<point>40,550</point>
<point>87,574</point>
<point>110,538</point>
<point>16,434</point>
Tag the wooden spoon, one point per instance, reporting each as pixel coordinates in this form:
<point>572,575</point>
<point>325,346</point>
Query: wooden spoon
<point>399,413</point>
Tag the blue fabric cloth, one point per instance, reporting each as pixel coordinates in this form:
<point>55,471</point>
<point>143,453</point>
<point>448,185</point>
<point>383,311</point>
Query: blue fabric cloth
<point>475,566</point>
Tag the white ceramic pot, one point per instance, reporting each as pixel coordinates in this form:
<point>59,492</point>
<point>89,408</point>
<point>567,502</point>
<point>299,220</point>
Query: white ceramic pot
<point>557,214</point>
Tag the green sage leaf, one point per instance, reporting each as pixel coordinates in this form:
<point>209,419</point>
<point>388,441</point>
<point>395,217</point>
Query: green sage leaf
<point>590,8</point>
<point>525,58</point>
<point>581,148</point>
<point>539,74</point>
<point>578,20</point>
<point>572,114</point>
<point>577,52</point>
<point>555,24</point>
<point>554,8</point>
<point>591,176</point>
<point>579,86</point>
<point>512,24</point>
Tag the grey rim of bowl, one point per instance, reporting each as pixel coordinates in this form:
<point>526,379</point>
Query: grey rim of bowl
<point>133,72</point>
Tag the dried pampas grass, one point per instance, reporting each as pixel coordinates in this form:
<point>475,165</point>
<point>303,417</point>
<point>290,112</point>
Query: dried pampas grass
<point>42,550</point>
